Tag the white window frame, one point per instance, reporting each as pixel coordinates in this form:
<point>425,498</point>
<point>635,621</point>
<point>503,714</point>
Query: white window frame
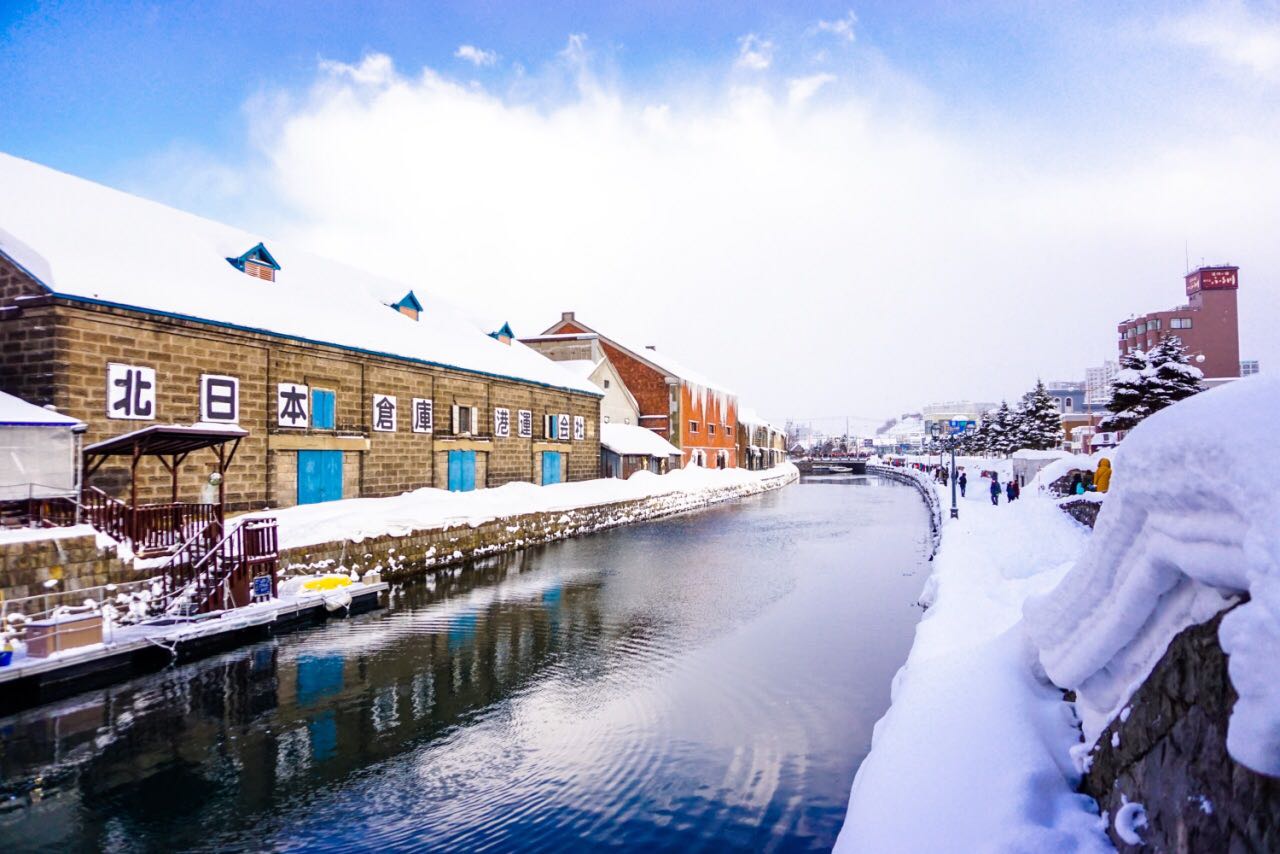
<point>456,423</point>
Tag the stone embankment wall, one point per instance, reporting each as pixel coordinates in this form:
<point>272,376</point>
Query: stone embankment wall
<point>924,485</point>
<point>1168,752</point>
<point>408,554</point>
<point>74,562</point>
<point>1083,510</point>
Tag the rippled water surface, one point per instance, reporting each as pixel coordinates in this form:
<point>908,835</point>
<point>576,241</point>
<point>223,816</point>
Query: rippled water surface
<point>703,682</point>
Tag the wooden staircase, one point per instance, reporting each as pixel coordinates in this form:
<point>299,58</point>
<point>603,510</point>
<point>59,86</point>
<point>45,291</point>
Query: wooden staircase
<point>210,574</point>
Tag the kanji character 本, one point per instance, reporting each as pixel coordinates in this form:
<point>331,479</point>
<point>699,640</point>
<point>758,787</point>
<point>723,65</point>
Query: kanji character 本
<point>422,415</point>
<point>384,413</point>
<point>131,392</point>
<point>291,405</point>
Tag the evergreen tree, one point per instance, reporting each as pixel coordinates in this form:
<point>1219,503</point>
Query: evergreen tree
<point>1172,376</point>
<point>1003,438</point>
<point>1130,395</point>
<point>1041,425</point>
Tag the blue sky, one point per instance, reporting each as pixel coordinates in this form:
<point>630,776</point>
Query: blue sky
<point>94,85</point>
<point>963,167</point>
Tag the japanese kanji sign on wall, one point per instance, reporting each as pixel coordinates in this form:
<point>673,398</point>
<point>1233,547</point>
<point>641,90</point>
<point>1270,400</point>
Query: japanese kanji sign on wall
<point>422,416</point>
<point>579,428</point>
<point>291,405</point>
<point>524,423</point>
<point>501,422</point>
<point>384,413</point>
<point>562,426</point>
<point>131,392</point>
<point>219,398</point>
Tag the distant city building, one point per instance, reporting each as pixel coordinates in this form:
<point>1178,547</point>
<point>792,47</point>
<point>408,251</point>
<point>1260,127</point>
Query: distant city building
<point>954,410</point>
<point>1068,395</point>
<point>1208,325</point>
<point>1248,367</point>
<point>1097,383</point>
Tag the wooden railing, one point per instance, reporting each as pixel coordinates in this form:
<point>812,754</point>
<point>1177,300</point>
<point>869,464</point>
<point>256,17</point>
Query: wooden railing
<point>149,528</point>
<point>207,574</point>
<point>107,514</point>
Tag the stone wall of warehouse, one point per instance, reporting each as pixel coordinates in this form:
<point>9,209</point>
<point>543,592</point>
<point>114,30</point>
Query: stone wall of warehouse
<point>74,562</point>
<point>55,351</point>
<point>1170,755</point>
<point>419,551</point>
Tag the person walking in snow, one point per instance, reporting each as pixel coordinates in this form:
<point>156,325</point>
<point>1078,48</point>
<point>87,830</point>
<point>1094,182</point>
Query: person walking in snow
<point>944,475</point>
<point>995,490</point>
<point>962,482</point>
<point>1012,491</point>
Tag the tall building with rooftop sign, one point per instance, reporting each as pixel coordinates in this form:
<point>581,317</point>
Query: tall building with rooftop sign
<point>1207,325</point>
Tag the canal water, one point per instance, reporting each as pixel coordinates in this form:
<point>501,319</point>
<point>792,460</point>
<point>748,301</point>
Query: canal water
<point>703,682</point>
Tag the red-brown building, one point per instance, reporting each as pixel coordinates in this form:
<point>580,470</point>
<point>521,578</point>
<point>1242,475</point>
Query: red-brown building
<point>1208,325</point>
<point>694,414</point>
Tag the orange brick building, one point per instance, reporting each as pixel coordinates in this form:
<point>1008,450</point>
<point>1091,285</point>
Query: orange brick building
<point>696,415</point>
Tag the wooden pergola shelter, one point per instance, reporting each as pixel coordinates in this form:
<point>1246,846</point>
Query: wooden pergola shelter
<point>153,527</point>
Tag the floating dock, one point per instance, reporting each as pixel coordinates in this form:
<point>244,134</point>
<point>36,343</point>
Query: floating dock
<point>134,650</point>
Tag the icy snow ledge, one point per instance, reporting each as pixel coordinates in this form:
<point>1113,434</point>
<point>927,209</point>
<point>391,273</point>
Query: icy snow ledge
<point>1192,521</point>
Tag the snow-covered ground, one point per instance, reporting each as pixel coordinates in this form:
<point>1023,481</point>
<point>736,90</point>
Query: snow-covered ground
<point>359,519</point>
<point>978,751</point>
<point>975,752</point>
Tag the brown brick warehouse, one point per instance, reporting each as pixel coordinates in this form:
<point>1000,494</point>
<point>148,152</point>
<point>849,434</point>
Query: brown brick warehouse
<point>375,413</point>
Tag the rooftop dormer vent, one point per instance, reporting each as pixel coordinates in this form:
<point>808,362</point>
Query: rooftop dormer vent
<point>257,262</point>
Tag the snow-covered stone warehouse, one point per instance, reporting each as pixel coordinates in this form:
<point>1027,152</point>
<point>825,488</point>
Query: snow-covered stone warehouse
<point>123,313</point>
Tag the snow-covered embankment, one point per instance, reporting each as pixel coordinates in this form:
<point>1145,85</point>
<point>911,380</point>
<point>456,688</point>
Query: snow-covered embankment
<point>431,527</point>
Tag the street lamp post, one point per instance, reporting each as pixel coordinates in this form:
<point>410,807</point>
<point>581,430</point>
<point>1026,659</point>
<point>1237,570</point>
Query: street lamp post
<point>955,510</point>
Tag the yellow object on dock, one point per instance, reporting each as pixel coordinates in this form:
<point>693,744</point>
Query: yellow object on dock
<point>327,582</point>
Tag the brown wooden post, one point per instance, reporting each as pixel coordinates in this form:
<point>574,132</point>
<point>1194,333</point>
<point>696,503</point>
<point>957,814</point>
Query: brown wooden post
<point>130,522</point>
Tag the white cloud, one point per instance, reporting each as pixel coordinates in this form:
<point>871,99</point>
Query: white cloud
<point>1234,34</point>
<point>847,254</point>
<point>801,89</point>
<point>754,53</point>
<point>841,28</point>
<point>476,56</point>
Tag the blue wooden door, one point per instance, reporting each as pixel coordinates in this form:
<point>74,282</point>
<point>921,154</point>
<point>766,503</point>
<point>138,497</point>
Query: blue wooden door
<point>462,471</point>
<point>550,467</point>
<point>319,476</point>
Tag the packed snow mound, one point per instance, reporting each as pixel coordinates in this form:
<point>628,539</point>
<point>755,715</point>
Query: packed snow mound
<point>1190,525</point>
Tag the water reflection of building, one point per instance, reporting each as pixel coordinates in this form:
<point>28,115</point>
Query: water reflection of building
<point>295,716</point>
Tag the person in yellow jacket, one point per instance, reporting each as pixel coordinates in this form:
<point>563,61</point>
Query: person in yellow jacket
<point>1102,479</point>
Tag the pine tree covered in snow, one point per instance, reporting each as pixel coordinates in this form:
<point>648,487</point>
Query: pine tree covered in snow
<point>1173,377</point>
<point>1147,383</point>
<point>1130,396</point>
<point>1003,431</point>
<point>1040,425</point>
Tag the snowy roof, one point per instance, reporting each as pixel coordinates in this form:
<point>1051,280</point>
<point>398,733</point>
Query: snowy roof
<point>746,415</point>
<point>632,440</point>
<point>583,368</point>
<point>91,243</point>
<point>16,412</point>
<point>661,360</point>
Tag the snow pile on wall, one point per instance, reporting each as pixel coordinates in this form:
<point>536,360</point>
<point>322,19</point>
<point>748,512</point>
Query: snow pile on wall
<point>1192,522</point>
<point>359,519</point>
